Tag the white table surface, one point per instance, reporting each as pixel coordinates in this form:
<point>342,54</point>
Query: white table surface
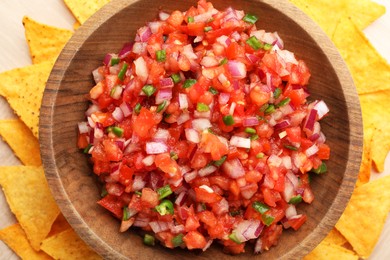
<point>14,53</point>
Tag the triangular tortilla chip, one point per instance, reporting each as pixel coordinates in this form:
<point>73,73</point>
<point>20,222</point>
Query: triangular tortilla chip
<point>21,140</point>
<point>23,88</point>
<point>376,112</point>
<point>83,9</point>
<point>30,199</point>
<point>326,251</point>
<point>363,219</point>
<point>59,225</point>
<point>15,238</point>
<point>369,70</point>
<point>365,166</point>
<point>335,237</point>
<point>45,42</point>
<point>68,245</point>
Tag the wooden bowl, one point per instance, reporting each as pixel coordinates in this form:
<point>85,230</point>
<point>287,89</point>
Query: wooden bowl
<point>64,103</point>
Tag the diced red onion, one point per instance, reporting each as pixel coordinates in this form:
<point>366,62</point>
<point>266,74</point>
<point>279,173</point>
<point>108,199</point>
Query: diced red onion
<point>241,182</point>
<point>322,109</point>
<point>268,182</point>
<point>224,40</point>
<point>125,109</point>
<point>138,183</point>
<point>208,244</point>
<point>184,117</point>
<point>274,160</point>
<point>239,141</point>
<point>201,124</point>
<point>312,150</point>
<point>291,211</point>
<point>269,38</point>
<point>163,94</point>
<point>141,69</point>
<point>141,222</point>
<point>233,168</point>
<point>207,170</point>
<point>126,50</point>
<point>192,135</point>
<point>158,226</point>
<point>311,118</point>
<point>148,160</point>
<point>203,17</point>
<point>166,82</point>
<point>252,58</point>
<point>107,59</point>
<point>155,26</point>
<point>314,137</point>
<point>248,229</point>
<point>163,16</point>
<point>248,191</point>
<point>286,110</point>
<point>132,147</point>
<point>156,148</point>
<point>268,78</point>
<point>288,191</point>
<point>236,36</point>
<point>206,188</point>
<point>144,33</point>
<point>120,143</point>
<point>223,98</point>
<point>286,162</point>
<point>126,224</point>
<point>189,176</point>
<point>189,52</point>
<point>117,114</point>
<point>181,198</point>
<point>258,246</point>
<point>98,133</point>
<point>97,77</point>
<point>282,125</point>
<point>232,108</point>
<point>223,79</point>
<point>198,114</point>
<point>279,41</point>
<point>114,69</point>
<point>92,109</point>
<point>176,229</point>
<point>237,69</point>
<point>209,61</point>
<point>293,178</point>
<point>161,135</point>
<point>139,47</point>
<point>183,101</point>
<point>250,121</point>
<point>83,127</point>
<point>198,38</point>
<point>115,189</point>
<point>308,195</point>
<point>321,139</point>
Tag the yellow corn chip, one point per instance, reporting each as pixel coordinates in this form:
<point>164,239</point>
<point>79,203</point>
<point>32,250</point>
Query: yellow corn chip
<point>23,88</point>
<point>325,251</point>
<point>376,112</point>
<point>76,25</point>
<point>335,237</point>
<point>68,245</point>
<point>363,219</point>
<point>83,9</point>
<point>369,70</point>
<point>29,198</point>
<point>328,13</point>
<point>21,140</point>
<point>43,46</point>
<point>15,238</point>
<point>365,166</point>
<point>59,225</point>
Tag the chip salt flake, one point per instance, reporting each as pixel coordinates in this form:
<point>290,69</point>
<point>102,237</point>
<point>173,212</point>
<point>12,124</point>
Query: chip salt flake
<point>21,140</point>
<point>68,245</point>
<point>363,219</point>
<point>43,46</point>
<point>23,88</point>
<point>16,239</point>
<point>83,9</point>
<point>30,199</point>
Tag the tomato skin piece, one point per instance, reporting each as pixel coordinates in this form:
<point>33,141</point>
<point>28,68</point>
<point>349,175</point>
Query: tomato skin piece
<point>296,223</point>
<point>204,196</point>
<point>194,240</point>
<point>113,204</point>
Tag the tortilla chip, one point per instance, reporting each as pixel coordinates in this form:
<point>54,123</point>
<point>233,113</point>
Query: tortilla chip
<point>59,225</point>
<point>365,166</point>
<point>335,237</point>
<point>29,198</point>
<point>326,251</point>
<point>328,13</point>
<point>23,88</point>
<point>376,112</point>
<point>68,245</point>
<point>369,70</point>
<point>21,140</point>
<point>83,9</point>
<point>363,219</point>
<point>15,238</point>
<point>76,25</point>
<point>43,46</point>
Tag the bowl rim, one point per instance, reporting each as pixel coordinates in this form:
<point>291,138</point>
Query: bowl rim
<point>284,6</point>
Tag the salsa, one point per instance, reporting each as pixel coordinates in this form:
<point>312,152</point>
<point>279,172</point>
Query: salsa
<point>201,132</point>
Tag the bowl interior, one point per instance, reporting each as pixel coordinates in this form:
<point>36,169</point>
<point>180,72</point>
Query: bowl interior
<point>64,103</point>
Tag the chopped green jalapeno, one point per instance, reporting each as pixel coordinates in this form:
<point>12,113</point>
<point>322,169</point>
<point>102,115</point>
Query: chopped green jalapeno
<point>160,55</point>
<point>202,107</point>
<point>263,107</point>
<point>190,19</point>
<point>235,213</point>
<point>228,120</point>
<point>223,61</point>
<point>234,238</point>
<point>321,169</point>
<point>189,82</point>
<point>250,18</point>
<point>117,131</point>
<point>267,219</point>
<point>250,130</point>
<point>291,147</point>
<point>104,192</point>
<point>138,193</point>
<point>137,108</point>
<point>267,46</point>
<point>161,106</point>
<point>220,161</point>
<point>260,155</point>
<point>176,78</point>
<point>295,200</point>
<point>122,72</point>
<point>165,207</point>
<point>254,137</point>
<point>270,109</point>
<point>208,28</point>
<point>260,207</point>
<point>149,90</point>
<point>164,192</point>
<point>114,61</point>
<point>86,149</point>
<point>284,102</point>
<point>126,213</point>
<point>254,43</point>
<point>177,240</point>
<point>213,91</point>
<point>277,92</point>
<point>174,156</point>
<point>149,240</point>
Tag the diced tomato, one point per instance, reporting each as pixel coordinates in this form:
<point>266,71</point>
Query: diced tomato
<point>82,141</point>
<point>270,236</point>
<point>167,165</point>
<point>294,134</point>
<point>144,122</point>
<point>296,223</point>
<point>192,223</point>
<point>203,195</point>
<point>323,151</point>
<point>196,29</point>
<point>194,240</point>
<point>175,19</point>
<point>113,204</point>
<point>208,218</point>
<point>149,198</point>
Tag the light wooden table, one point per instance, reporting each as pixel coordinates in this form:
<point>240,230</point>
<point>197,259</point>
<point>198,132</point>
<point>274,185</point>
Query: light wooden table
<point>14,53</point>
